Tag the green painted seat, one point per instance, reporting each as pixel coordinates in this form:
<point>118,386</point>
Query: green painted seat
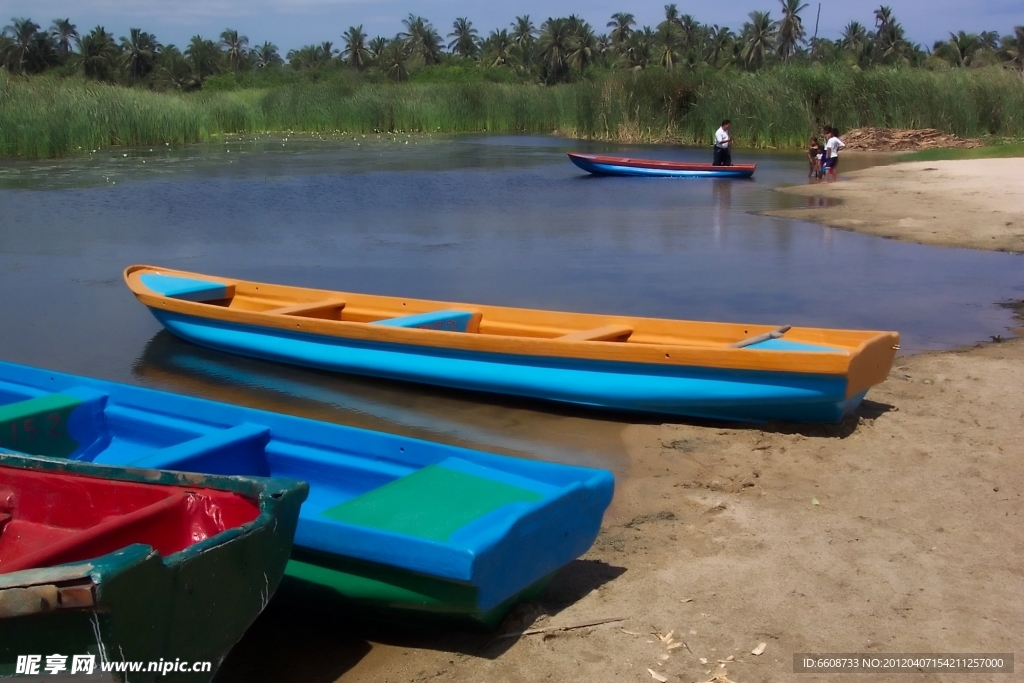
<point>431,503</point>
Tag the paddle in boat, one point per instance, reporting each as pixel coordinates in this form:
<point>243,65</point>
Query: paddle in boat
<point>109,564</point>
<point>725,371</point>
<point>625,166</point>
<point>390,521</point>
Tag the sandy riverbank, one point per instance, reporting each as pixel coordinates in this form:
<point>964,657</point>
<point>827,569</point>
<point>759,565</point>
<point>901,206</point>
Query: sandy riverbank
<point>913,545</point>
<point>976,203</point>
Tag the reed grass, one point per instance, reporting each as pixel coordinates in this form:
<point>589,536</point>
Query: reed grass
<point>781,108</point>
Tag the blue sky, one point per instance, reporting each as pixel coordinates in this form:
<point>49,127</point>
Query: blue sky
<point>292,23</point>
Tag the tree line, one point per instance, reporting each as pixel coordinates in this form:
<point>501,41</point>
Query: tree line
<point>559,50</point>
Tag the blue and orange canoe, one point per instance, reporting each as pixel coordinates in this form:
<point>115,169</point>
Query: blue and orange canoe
<point>700,369</point>
<point>626,166</point>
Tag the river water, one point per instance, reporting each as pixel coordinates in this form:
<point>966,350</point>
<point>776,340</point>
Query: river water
<point>493,219</point>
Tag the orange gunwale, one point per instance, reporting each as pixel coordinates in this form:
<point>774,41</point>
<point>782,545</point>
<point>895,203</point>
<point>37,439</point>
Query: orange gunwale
<point>660,163</point>
<point>864,357</point>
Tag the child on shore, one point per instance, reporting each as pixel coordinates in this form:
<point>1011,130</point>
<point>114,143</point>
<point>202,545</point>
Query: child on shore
<point>814,159</point>
<point>832,146</point>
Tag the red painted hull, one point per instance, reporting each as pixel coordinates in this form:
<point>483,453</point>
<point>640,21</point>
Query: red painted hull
<point>48,518</point>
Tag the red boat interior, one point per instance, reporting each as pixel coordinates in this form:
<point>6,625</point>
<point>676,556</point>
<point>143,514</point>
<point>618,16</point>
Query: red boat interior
<point>49,518</point>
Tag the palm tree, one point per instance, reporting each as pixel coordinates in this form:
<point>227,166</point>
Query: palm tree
<point>234,47</point>
<point>989,40</point>
<point>883,17</point>
<point>23,46</point>
<point>791,29</point>
<point>326,52</point>
<point>394,60</point>
<point>423,40</point>
<point>671,13</point>
<point>172,70</point>
<point>97,53</point>
<point>377,46</point>
<point>265,55</point>
<point>622,24</point>
<point>719,44</point>
<point>63,32</point>
<point>758,38</point>
<point>583,47</point>
<point>355,53</point>
<point>854,37</point>
<point>669,45</point>
<point>498,48</point>
<point>138,53</point>
<point>202,56</point>
<point>1012,49</point>
<point>690,30</point>
<point>306,57</point>
<point>465,38</point>
<point>637,53</point>
<point>553,46</point>
<point>961,48</point>
<point>891,45</point>
<point>606,52</point>
<point>524,35</point>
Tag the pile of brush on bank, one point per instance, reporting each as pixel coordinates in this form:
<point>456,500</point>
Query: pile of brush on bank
<point>906,140</point>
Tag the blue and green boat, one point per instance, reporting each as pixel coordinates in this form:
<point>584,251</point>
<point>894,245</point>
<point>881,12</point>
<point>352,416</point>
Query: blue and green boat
<point>391,522</point>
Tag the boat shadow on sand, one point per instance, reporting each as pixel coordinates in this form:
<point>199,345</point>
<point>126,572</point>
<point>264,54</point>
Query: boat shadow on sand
<point>463,418</point>
<point>305,637</point>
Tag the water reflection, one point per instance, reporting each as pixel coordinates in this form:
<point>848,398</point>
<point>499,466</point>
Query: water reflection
<point>521,428</point>
<point>722,192</point>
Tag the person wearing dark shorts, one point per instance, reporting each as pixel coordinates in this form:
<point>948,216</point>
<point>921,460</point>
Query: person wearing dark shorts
<point>832,146</point>
<point>723,145</point>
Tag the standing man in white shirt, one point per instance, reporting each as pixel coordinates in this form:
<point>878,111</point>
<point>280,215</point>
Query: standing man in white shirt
<point>723,145</point>
<point>832,146</point>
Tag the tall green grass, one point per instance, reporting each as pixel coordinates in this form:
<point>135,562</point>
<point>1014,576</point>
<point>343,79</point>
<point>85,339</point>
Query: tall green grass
<point>782,107</point>
<point>46,117</point>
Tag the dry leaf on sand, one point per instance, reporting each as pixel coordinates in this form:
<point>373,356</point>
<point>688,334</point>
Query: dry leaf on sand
<point>657,676</point>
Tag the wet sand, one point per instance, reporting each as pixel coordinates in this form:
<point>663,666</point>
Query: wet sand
<point>975,203</point>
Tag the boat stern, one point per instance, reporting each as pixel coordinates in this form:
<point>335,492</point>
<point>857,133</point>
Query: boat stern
<point>871,363</point>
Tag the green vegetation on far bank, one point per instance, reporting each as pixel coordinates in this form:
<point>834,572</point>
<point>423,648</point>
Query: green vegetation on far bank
<point>1001,151</point>
<point>49,115</point>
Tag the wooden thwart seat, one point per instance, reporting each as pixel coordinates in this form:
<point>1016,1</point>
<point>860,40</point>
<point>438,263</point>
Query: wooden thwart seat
<point>618,333</point>
<point>314,309</point>
<point>777,333</point>
<point>444,321</point>
<point>188,289</point>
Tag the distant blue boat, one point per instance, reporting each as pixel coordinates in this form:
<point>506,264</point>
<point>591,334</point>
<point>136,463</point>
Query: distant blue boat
<point>390,521</point>
<point>624,166</point>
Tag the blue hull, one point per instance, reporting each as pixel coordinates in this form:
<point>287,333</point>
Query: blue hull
<point>715,393</point>
<point>552,517</point>
<point>636,171</point>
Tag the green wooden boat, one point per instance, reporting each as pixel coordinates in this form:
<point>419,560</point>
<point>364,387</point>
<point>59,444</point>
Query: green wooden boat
<point>109,567</point>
